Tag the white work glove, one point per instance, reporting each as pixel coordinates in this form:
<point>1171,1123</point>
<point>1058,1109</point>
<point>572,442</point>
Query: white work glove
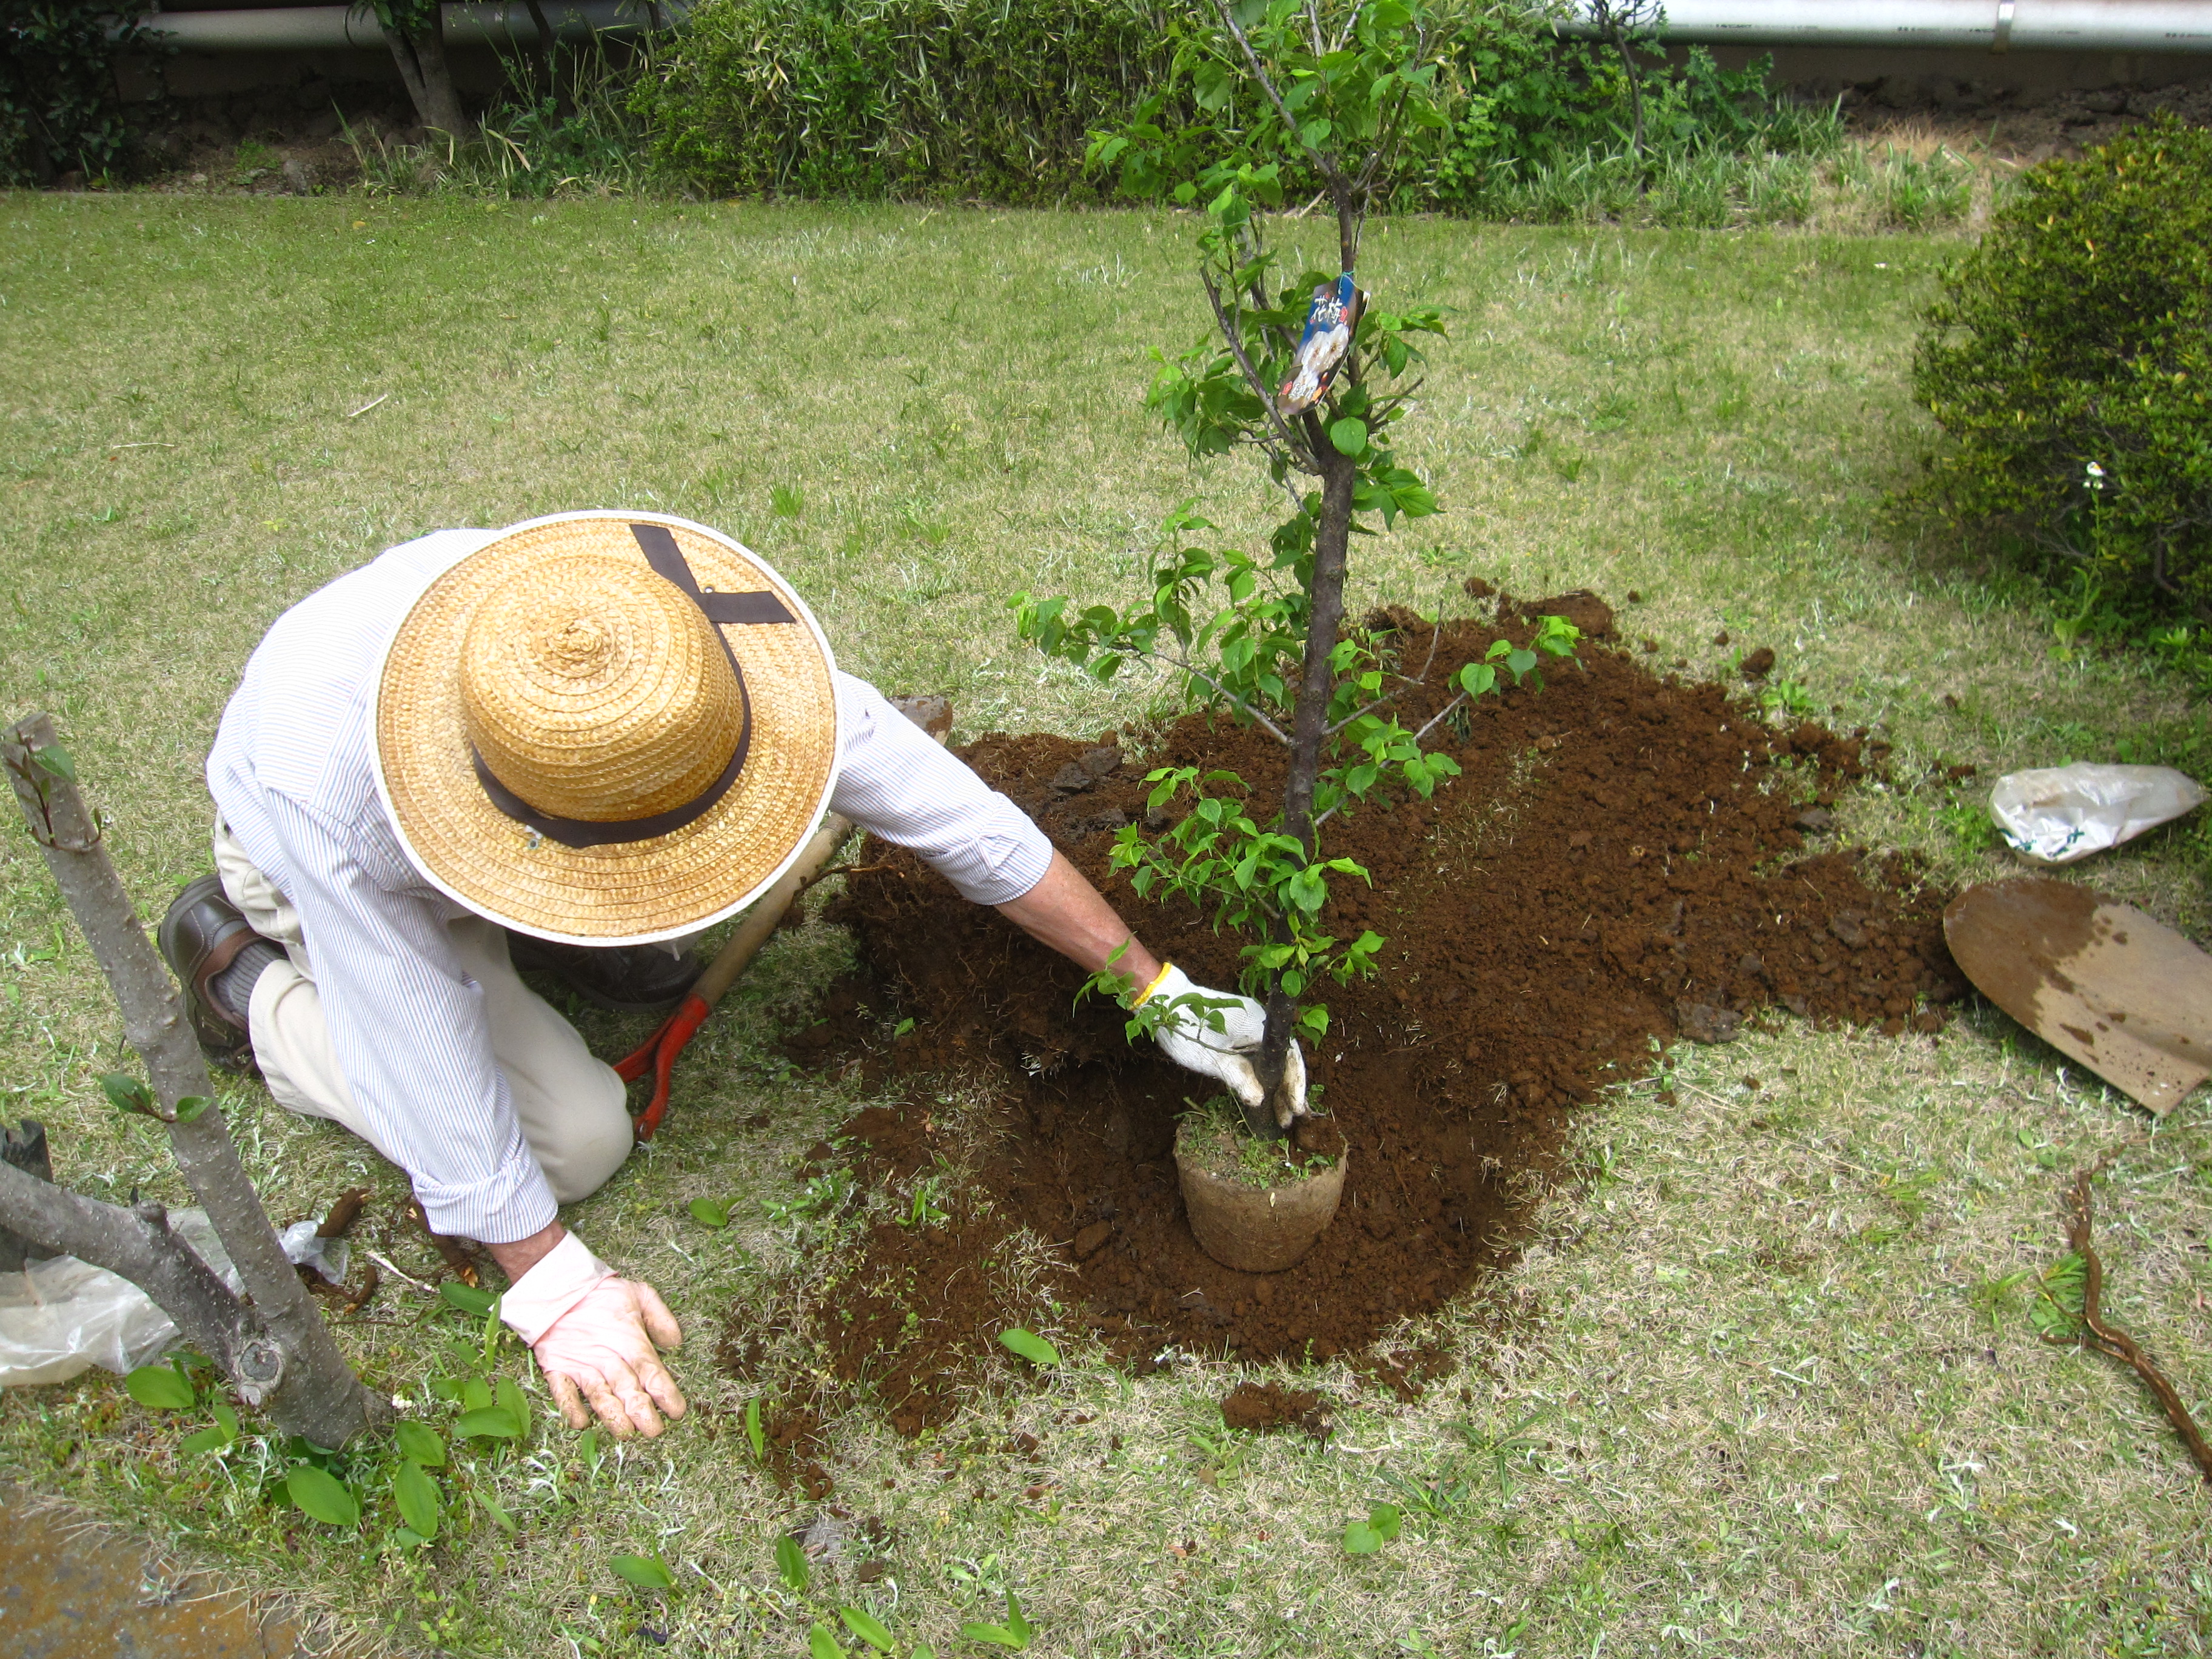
<point>1187,1038</point>
<point>595,1336</point>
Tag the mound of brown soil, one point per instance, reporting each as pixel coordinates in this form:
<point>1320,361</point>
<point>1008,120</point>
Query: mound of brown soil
<point>1622,863</point>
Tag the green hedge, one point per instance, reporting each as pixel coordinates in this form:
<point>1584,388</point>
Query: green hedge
<point>59,111</point>
<point>954,99</point>
<point>2069,358</point>
<point>915,99</point>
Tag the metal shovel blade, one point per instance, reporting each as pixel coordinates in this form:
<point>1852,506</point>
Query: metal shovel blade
<point>2097,980</point>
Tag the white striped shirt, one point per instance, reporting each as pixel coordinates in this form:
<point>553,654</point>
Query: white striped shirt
<point>291,774</point>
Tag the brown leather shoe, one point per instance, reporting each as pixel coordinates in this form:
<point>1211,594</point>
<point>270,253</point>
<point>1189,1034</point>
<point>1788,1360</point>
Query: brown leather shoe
<point>201,936</point>
<point>631,978</point>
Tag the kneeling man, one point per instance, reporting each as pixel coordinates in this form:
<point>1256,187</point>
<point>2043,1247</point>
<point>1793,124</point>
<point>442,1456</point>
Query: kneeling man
<point>564,743</point>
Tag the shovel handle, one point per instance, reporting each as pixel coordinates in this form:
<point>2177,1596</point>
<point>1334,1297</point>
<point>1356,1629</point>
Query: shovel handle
<point>657,1051</point>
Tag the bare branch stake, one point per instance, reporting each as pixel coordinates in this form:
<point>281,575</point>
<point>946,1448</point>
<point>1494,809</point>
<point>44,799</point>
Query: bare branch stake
<point>2117,1344</point>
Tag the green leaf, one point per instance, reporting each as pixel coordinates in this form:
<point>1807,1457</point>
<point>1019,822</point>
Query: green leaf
<point>190,1107</point>
<point>467,1298</point>
<point>821,1643</point>
<point>791,1564</point>
<point>408,1539</point>
<point>208,1440</point>
<point>163,1388</point>
<point>710,1213</point>
<point>322,1496</point>
<point>1014,1633</point>
<point>755,1433</point>
<point>1348,435</point>
<point>493,1422</point>
<point>54,760</point>
<point>126,1093</point>
<point>867,1628</point>
<point>1030,1346</point>
<point>225,1417</point>
<point>416,1495</point>
<point>476,1394</point>
<point>1386,1519</point>
<point>512,1402</point>
<point>646,1571</point>
<point>421,1444</point>
<point>1361,1538</point>
<point>491,1508</point>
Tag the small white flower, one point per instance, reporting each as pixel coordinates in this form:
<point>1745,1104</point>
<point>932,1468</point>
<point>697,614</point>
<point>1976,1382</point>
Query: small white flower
<point>401,1402</point>
<point>2096,471</point>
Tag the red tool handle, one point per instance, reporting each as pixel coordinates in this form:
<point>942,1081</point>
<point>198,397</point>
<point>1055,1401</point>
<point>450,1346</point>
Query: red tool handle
<point>660,1052</point>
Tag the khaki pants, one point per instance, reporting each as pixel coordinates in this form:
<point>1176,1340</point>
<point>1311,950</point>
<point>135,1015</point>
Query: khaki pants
<point>570,1104</point>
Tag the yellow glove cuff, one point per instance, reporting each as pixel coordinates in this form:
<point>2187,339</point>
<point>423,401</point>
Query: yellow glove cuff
<point>1139,1000</point>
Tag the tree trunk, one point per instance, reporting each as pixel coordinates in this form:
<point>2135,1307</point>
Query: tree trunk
<point>1310,718</point>
<point>24,1149</point>
<point>290,1366</point>
<point>420,54</point>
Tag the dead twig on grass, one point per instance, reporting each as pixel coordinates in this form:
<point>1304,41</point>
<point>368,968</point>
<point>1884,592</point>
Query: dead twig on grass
<point>2117,1344</point>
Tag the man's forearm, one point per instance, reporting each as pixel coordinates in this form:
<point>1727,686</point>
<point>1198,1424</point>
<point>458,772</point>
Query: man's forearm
<point>519,1258</point>
<point>1067,913</point>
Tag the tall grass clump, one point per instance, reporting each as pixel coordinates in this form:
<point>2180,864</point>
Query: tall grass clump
<point>576,136</point>
<point>1544,130</point>
<point>918,99</point>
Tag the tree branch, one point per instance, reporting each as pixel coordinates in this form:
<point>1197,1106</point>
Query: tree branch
<point>1329,170</point>
<point>1271,729</point>
<point>139,1245</point>
<point>1404,681</point>
<point>297,1372</point>
<point>1283,434</point>
<point>2115,1344</point>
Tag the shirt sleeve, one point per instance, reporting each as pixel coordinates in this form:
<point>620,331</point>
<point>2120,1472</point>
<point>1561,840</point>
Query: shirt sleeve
<point>904,786</point>
<point>408,1031</point>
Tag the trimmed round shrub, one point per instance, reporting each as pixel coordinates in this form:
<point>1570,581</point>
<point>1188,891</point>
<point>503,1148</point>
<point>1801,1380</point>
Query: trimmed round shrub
<point>2069,360</point>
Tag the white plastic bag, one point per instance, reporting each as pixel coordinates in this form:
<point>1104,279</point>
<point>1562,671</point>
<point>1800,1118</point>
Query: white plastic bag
<point>62,1315</point>
<point>327,1257</point>
<point>2057,814</point>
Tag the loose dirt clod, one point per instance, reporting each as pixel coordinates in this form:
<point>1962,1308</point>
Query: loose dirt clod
<point>1264,1407</point>
<point>1619,860</point>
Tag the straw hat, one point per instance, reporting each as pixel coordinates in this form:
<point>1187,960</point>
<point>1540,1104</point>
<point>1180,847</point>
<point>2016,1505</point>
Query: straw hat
<point>606,728</point>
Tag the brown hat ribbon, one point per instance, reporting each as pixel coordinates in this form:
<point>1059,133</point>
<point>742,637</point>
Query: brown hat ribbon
<point>667,560</point>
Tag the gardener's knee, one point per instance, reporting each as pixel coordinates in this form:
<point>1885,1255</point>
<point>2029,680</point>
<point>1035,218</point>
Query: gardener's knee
<point>582,1141</point>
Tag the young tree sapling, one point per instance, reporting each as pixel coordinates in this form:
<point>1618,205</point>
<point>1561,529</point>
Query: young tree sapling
<point>1308,372</point>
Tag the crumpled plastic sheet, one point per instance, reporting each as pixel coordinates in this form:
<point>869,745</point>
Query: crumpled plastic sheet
<point>327,1257</point>
<point>2054,814</point>
<point>61,1316</point>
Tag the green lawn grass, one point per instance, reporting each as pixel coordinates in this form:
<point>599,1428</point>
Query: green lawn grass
<point>1764,1381</point>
